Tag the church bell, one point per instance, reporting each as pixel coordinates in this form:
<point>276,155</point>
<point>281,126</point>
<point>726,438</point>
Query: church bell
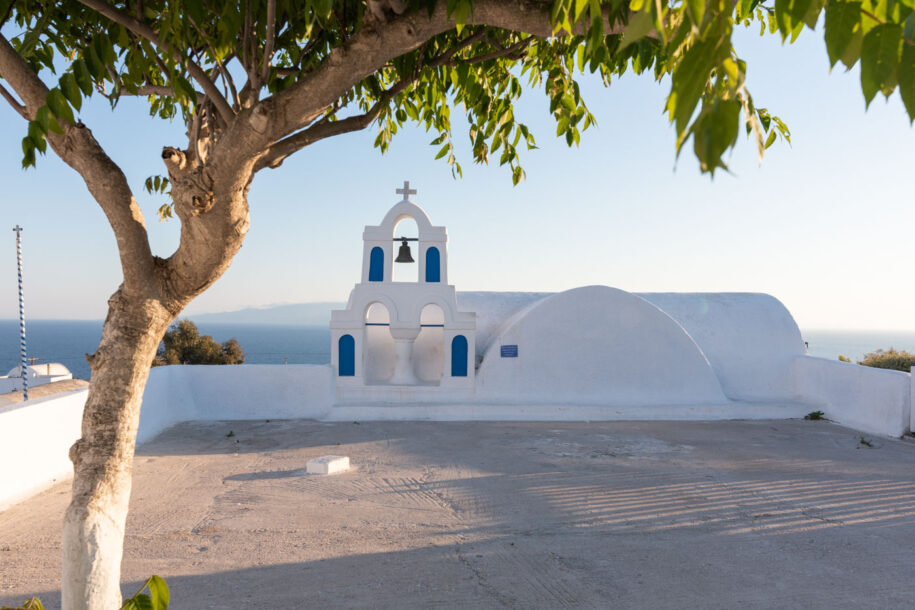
<point>404,256</point>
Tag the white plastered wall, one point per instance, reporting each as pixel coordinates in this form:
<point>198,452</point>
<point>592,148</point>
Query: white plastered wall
<point>35,440</point>
<point>860,397</point>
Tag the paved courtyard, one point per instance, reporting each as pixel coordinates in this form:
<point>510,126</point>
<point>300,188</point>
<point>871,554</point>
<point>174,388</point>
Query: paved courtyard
<point>763,514</point>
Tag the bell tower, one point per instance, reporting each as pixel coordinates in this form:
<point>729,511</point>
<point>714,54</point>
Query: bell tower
<point>397,334</point>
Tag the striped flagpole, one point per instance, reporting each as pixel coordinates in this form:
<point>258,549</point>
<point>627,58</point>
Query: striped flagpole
<point>23,369</point>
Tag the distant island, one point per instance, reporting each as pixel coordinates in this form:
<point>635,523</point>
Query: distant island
<point>306,314</point>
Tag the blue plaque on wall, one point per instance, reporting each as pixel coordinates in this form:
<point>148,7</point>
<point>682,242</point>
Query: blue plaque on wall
<point>509,351</point>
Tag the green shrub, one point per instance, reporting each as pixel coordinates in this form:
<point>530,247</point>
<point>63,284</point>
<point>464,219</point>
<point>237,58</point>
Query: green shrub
<point>889,359</point>
<point>183,344</point>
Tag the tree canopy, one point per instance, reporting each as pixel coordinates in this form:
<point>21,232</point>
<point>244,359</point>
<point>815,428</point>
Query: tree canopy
<point>183,344</point>
<point>208,60</point>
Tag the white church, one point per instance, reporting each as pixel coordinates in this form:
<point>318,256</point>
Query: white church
<point>421,349</point>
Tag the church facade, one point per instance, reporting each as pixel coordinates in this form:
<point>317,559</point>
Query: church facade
<point>395,335</point>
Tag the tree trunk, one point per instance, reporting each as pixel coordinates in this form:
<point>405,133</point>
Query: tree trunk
<point>93,533</point>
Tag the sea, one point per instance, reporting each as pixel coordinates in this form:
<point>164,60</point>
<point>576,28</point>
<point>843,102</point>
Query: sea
<point>67,342</point>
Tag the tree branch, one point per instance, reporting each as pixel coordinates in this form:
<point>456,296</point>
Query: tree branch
<point>144,31</point>
<point>219,65</point>
<point>104,179</point>
<point>271,36</point>
<point>20,108</point>
<point>515,48</point>
<point>324,128</point>
<point>371,48</point>
<point>162,90</point>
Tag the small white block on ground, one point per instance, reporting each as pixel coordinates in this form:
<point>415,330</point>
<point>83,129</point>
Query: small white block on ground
<point>327,464</point>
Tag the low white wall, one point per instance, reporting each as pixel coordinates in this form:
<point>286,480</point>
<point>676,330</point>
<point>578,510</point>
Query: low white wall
<point>14,384</point>
<point>248,391</point>
<point>872,400</point>
<point>35,440</point>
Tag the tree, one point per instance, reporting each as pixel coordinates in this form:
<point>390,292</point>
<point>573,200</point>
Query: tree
<point>889,359</point>
<point>258,80</point>
<point>182,344</point>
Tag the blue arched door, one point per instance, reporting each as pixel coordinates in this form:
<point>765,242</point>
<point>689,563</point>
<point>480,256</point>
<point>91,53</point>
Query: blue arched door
<point>433,265</point>
<point>346,356</point>
<point>459,356</point>
<point>376,265</point>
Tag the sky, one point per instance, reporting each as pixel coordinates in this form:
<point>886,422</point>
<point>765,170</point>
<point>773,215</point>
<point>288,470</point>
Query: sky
<point>824,225</point>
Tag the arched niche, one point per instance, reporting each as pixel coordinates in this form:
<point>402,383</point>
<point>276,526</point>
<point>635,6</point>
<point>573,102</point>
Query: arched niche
<point>346,356</point>
<point>433,265</point>
<point>376,265</point>
<point>459,356</point>
<point>429,347</point>
<point>380,356</point>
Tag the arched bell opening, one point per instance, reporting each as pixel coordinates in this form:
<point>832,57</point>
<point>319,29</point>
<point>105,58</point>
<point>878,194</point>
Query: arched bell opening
<point>380,355</point>
<point>429,347</point>
<point>405,254</point>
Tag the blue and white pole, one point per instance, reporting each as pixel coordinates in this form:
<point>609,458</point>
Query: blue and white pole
<point>23,361</point>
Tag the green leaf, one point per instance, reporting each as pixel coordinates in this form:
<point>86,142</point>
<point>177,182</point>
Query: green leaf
<point>158,590</point>
<point>744,9</point>
<point>43,118</point>
<point>28,153</point>
<point>853,50</point>
<point>71,90</point>
<point>58,105</point>
<point>879,58</point>
<point>907,79</point>
<point>813,14</point>
<point>142,602</point>
<point>580,6</point>
<point>696,10</point>
<point>442,152</point>
<point>83,78</point>
<point>638,28</point>
<point>841,19</point>
<point>690,78</point>
<point>798,10</point>
<point>908,29</point>
<point>783,17</point>
<point>185,89</point>
<point>715,131</point>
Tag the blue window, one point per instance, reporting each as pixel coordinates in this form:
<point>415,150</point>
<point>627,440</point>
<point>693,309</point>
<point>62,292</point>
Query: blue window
<point>346,354</point>
<point>433,265</point>
<point>376,265</point>
<point>459,356</point>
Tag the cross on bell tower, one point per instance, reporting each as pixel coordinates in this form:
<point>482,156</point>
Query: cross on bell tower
<point>406,191</point>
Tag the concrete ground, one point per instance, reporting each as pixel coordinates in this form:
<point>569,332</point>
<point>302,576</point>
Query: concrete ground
<point>762,514</point>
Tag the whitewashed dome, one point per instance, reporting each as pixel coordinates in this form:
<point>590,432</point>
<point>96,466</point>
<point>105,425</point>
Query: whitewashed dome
<point>51,369</point>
